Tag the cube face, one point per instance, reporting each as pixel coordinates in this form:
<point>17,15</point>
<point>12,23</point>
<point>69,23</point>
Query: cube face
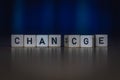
<point>86,40</point>
<point>101,40</point>
<point>29,40</point>
<point>17,40</point>
<point>72,40</point>
<point>54,40</point>
<point>42,40</point>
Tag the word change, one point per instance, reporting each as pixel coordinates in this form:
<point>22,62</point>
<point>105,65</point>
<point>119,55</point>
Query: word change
<point>55,40</point>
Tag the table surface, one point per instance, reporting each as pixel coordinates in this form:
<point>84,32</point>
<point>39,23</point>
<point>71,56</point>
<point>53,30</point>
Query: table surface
<point>100,63</point>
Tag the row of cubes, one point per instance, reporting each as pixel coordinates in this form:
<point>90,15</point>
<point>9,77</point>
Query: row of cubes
<point>55,40</point>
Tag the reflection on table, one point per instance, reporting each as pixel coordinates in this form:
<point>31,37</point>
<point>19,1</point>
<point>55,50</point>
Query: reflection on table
<point>59,62</point>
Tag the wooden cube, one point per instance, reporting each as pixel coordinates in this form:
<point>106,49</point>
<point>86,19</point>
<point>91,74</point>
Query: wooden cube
<point>101,40</point>
<point>54,40</point>
<point>29,40</point>
<point>42,40</point>
<point>17,40</point>
<point>86,40</point>
<point>72,41</point>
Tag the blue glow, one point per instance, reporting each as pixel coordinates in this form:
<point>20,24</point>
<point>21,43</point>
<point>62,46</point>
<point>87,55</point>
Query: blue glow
<point>18,16</point>
<point>40,18</point>
<point>64,17</point>
<point>90,19</point>
<point>87,19</point>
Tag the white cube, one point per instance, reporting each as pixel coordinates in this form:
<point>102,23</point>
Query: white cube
<point>42,40</point>
<point>29,40</point>
<point>101,40</point>
<point>54,40</point>
<point>86,40</point>
<point>17,40</point>
<point>72,41</point>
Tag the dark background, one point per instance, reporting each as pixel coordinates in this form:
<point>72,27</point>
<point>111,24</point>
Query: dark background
<point>59,17</point>
<point>7,17</point>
